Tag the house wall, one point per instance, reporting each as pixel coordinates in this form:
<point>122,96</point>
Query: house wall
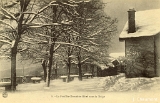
<point>157,51</point>
<point>140,55</point>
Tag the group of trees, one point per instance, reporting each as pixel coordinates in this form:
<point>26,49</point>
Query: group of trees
<point>70,31</point>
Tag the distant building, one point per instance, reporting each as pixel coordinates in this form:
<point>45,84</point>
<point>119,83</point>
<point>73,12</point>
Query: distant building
<point>142,43</point>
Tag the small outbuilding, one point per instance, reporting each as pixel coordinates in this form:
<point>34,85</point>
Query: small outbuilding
<point>141,34</point>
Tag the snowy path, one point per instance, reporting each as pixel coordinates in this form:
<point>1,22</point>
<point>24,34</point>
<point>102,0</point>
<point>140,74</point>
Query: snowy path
<point>87,85</point>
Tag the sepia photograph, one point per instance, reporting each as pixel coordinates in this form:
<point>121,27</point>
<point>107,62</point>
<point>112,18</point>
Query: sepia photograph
<point>80,51</point>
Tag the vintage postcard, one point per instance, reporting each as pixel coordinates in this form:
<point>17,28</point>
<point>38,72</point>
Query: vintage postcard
<point>80,51</point>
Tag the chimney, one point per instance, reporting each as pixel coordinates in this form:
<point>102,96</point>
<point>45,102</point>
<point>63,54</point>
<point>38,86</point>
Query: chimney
<point>131,21</point>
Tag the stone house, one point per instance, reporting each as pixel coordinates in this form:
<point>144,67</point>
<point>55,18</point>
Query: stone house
<point>141,34</point>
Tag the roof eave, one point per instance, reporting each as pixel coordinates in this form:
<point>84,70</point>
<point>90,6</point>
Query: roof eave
<point>122,39</point>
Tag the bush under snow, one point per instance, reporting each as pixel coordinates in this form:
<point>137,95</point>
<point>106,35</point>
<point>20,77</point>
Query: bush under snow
<point>120,83</point>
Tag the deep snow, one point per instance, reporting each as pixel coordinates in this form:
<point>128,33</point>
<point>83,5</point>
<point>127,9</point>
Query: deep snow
<point>97,89</point>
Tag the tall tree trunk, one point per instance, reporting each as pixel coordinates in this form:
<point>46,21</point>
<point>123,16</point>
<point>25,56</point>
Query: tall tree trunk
<point>79,68</point>
<point>69,70</point>
<point>50,64</point>
<point>51,51</point>
<point>13,68</point>
<point>23,5</point>
<point>20,30</point>
<point>44,69</point>
<point>80,71</point>
<point>47,69</point>
<point>55,71</point>
<point>13,59</point>
<point>92,68</point>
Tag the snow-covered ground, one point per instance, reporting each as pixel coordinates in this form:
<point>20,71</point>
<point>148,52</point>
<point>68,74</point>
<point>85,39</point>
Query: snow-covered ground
<point>92,90</point>
<point>122,84</point>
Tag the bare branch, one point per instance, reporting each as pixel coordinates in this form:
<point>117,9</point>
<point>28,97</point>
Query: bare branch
<point>8,17</point>
<point>84,60</point>
<point>6,41</point>
<point>39,25</point>
<point>91,35</point>
<point>27,42</point>
<point>9,14</point>
<point>38,41</point>
<point>22,50</point>
<point>71,44</point>
<point>5,57</point>
<point>31,9</point>
<point>93,43</point>
<point>38,15</point>
<point>1,21</point>
<point>72,5</point>
<point>43,35</point>
<point>57,47</point>
<point>41,10</point>
<point>5,37</point>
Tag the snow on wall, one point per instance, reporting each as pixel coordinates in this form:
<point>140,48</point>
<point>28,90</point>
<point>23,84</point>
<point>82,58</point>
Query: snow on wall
<point>147,24</point>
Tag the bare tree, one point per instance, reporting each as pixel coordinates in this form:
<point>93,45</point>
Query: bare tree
<point>94,31</point>
<point>17,17</point>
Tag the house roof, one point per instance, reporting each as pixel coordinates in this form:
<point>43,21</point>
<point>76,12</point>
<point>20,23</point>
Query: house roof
<point>147,24</point>
<point>117,55</point>
<point>102,66</point>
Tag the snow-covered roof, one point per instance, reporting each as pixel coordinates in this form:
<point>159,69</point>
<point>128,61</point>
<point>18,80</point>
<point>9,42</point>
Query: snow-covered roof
<point>147,24</point>
<point>102,66</point>
<point>117,55</point>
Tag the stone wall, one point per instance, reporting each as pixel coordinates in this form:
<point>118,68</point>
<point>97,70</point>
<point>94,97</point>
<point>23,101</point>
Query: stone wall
<point>140,57</point>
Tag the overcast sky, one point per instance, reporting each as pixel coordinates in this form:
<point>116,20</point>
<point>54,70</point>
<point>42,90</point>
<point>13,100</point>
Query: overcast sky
<point>118,9</point>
